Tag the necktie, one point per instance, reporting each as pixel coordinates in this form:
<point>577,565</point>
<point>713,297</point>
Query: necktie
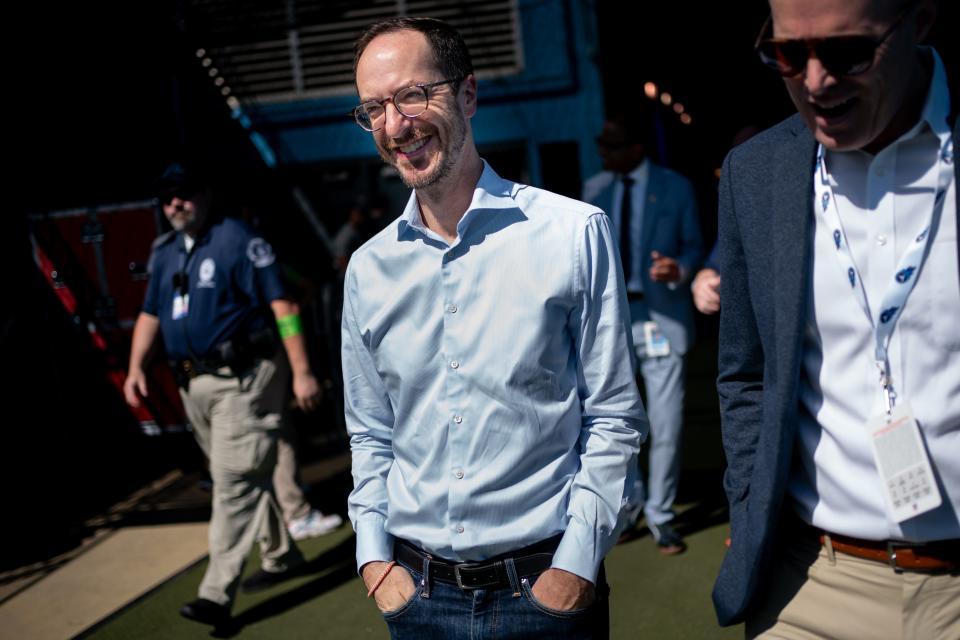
<point>626,212</point>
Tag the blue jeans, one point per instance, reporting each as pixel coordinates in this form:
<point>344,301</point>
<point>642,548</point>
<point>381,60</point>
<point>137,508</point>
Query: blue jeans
<point>445,612</point>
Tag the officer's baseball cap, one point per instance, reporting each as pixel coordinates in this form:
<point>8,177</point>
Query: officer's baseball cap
<point>181,180</point>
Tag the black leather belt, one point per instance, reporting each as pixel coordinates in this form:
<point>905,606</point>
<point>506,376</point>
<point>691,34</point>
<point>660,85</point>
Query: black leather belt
<point>193,369</point>
<point>634,295</point>
<point>489,574</point>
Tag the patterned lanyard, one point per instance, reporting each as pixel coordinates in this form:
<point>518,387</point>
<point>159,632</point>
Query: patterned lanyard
<point>908,268</point>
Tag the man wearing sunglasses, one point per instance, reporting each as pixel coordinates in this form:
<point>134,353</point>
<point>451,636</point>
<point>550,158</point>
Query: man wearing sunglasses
<point>493,420</point>
<point>217,300</point>
<point>839,335</point>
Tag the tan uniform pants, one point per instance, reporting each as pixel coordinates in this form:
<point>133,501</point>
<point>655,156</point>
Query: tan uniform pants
<point>286,478</point>
<point>237,423</point>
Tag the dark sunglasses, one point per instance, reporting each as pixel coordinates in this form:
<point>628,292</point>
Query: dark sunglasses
<point>182,193</point>
<point>840,55</point>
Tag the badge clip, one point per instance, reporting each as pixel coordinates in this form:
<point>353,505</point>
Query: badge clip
<point>889,395</point>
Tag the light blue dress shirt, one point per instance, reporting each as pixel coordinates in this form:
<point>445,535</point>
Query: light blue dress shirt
<point>490,396</point>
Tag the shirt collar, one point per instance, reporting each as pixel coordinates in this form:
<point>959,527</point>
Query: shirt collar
<point>639,174</point>
<point>491,193</point>
<point>936,110</point>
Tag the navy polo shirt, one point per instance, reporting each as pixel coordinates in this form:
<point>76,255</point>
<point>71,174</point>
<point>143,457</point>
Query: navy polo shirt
<point>231,276</point>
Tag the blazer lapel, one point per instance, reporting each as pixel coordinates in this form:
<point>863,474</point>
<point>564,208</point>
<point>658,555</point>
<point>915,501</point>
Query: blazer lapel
<point>652,201</point>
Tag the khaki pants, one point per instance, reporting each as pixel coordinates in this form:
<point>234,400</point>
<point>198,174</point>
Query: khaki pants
<point>236,422</point>
<point>815,594</point>
<point>286,478</point>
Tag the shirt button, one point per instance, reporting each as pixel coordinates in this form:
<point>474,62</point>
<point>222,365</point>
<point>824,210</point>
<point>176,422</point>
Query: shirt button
<point>452,308</point>
<point>455,364</point>
<point>459,474</point>
<point>881,240</point>
<point>459,528</point>
<point>458,419</point>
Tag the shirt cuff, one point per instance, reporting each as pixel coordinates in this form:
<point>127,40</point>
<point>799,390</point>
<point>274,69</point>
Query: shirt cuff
<point>373,542</point>
<point>579,551</point>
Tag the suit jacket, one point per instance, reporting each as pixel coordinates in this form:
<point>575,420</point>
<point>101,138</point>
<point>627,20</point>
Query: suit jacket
<point>672,227</point>
<point>766,243</point>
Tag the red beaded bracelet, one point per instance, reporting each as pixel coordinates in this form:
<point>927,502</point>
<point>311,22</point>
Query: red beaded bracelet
<point>383,575</point>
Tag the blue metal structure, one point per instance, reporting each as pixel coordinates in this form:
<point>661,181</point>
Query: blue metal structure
<point>556,98</point>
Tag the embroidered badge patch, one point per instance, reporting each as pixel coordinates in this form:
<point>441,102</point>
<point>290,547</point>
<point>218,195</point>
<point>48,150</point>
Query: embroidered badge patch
<point>260,253</point>
<point>208,269</point>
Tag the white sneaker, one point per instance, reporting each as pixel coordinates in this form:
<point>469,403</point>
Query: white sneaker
<point>313,524</point>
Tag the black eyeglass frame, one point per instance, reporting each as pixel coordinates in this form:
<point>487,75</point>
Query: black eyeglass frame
<point>423,86</point>
<point>814,45</point>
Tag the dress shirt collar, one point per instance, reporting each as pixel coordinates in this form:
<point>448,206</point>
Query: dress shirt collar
<point>936,110</point>
<point>491,193</point>
<point>639,173</point>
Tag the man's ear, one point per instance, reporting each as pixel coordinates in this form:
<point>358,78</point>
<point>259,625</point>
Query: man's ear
<point>468,95</point>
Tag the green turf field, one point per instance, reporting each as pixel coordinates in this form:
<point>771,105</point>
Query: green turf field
<point>651,597</point>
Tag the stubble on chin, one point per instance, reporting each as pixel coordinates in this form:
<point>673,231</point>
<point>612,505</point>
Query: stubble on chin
<point>448,156</point>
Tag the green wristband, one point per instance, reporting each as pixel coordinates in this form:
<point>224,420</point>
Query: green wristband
<point>289,326</point>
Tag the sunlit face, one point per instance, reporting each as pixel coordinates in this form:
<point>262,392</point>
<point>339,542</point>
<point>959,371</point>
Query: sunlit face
<point>427,149</point>
<point>862,111</point>
<point>187,213</point>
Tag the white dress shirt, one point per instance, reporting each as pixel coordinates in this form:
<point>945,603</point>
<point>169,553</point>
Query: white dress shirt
<point>884,201</point>
<point>490,397</point>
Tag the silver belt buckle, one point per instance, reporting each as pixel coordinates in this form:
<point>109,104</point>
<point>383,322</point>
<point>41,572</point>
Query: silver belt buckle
<point>892,546</point>
<point>456,573</point>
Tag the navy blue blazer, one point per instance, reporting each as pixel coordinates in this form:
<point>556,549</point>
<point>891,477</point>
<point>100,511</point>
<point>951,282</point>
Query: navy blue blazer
<point>670,226</point>
<point>765,247</point>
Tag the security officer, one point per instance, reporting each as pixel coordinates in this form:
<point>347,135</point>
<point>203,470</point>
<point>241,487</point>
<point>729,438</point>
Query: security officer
<point>216,297</point>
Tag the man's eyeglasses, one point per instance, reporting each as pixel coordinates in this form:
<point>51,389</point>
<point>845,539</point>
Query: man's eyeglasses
<point>840,55</point>
<point>409,101</point>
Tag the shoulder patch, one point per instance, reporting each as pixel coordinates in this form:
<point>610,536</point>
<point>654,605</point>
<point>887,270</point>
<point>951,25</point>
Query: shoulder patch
<point>260,253</point>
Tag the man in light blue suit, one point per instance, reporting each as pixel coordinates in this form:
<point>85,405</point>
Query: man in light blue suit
<point>654,212</point>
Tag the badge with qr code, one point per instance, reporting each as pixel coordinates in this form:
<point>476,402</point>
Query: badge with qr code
<point>908,481</point>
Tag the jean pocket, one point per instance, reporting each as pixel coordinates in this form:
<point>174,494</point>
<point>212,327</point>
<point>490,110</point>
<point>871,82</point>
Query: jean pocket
<point>542,608</point>
<point>410,602</point>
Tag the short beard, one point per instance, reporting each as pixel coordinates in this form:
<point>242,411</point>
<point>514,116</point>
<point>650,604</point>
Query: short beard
<point>451,155</point>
